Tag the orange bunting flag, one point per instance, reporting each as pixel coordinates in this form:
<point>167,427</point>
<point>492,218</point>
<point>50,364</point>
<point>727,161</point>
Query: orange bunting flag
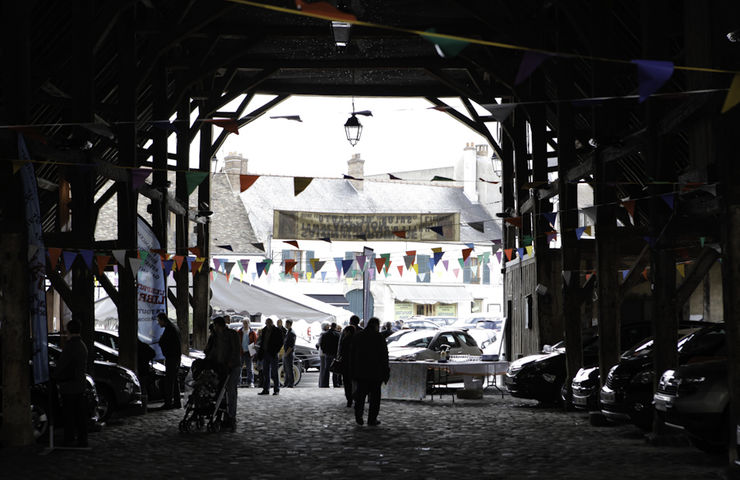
<point>508,252</point>
<point>102,261</point>
<point>295,275</point>
<point>466,253</point>
<point>516,221</point>
<point>629,205</point>
<point>400,270</point>
<point>400,233</point>
<point>246,181</point>
<point>323,10</point>
<point>292,242</point>
<point>228,124</point>
<point>178,260</point>
<point>645,274</point>
<point>54,254</point>
<point>681,269</point>
<point>195,251</point>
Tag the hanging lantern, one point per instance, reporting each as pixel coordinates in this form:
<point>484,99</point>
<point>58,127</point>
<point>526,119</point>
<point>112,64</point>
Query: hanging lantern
<point>353,129</point>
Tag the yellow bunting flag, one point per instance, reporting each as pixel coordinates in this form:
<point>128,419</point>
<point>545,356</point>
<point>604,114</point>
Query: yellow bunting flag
<point>681,269</point>
<point>733,95</point>
<point>529,249</point>
<point>587,231</point>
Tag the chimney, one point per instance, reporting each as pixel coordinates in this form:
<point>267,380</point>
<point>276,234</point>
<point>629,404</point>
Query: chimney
<point>234,165</point>
<point>470,170</point>
<point>356,169</point>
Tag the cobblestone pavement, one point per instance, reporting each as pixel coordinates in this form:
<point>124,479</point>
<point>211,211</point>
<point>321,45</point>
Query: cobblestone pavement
<point>308,433</point>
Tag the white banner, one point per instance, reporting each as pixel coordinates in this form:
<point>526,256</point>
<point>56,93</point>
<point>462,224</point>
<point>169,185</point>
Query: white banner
<point>152,295</point>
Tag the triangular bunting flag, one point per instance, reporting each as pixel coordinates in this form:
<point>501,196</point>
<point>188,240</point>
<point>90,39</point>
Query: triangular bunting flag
<point>300,184</point>
<point>199,262</point>
<point>520,251</point>
<point>292,242</point>
<point>226,247</point>
<point>456,271</point>
<point>408,260</point>
<point>733,94</point>
<point>393,177</point>
<point>416,268</point>
<point>437,230</point>
<point>138,175</point>
<point>508,252</point>
<point>446,264</point>
<point>379,262</point>
<point>400,233</point>
<point>289,265</point>
<point>629,205</point>
<point>69,259</point>
<point>325,239</point>
<point>317,264</point>
<point>466,253</point>
<point>702,240</point>
<point>54,254</point>
<point>295,275</point>
<point>195,251</point>
<point>323,276</point>
<point>651,75</point>
<point>268,264</point>
<point>400,270</point>
<point>260,268</point>
<point>191,260</point>
<point>668,199</point>
<point>228,267</point>
<point>624,273</point>
<point>120,256</point>
<point>500,112</point>
<point>246,181</point>
<point>461,262</point>
<point>681,269</point>
<point>445,47</point>
<point>645,274</point>
<point>550,217</point>
<point>346,264</point>
<point>259,246</point>
<point>516,221</point>
<point>178,260</point>
<point>135,266</point>
<point>228,124</point>
<point>167,267</point>
<point>438,257</point>
<point>437,249</point>
<point>101,261</point>
<point>87,256</point>
<point>338,263</point>
<point>437,178</point>
<point>567,275</point>
<point>477,226</point>
<point>587,230</point>
<point>193,179</point>
<point>579,232</point>
<point>529,249</point>
<point>530,62</point>
<point>498,257</point>
<point>361,259</point>
<point>551,236</point>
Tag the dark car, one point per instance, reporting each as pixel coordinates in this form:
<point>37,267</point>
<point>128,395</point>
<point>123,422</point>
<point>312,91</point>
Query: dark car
<point>541,376</point>
<point>585,389</point>
<point>627,394</point>
<point>118,387</point>
<point>696,398</point>
<point>307,355</point>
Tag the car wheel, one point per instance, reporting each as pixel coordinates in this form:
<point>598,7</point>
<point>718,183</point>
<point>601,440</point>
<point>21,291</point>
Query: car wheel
<point>39,418</point>
<point>106,403</point>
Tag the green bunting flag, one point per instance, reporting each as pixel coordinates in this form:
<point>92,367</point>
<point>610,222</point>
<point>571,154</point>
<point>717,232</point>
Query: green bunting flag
<point>193,179</point>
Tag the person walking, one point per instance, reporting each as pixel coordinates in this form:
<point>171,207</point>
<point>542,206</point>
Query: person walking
<point>223,349</point>
<point>289,354</point>
<point>345,353</point>
<point>247,337</point>
<point>369,368</point>
<point>387,330</point>
<point>169,342</point>
<point>328,344</point>
<point>70,375</point>
<point>271,341</point>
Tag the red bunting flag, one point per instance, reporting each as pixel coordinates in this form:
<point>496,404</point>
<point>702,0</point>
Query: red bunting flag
<point>296,275</point>
<point>516,221</point>
<point>323,10</point>
<point>292,242</point>
<point>54,254</point>
<point>400,270</point>
<point>289,265</point>
<point>508,252</point>
<point>195,251</point>
<point>246,181</point>
<point>178,261</point>
<point>379,262</point>
<point>228,124</point>
<point>400,233</point>
<point>629,205</point>
<point>466,253</point>
<point>102,261</point>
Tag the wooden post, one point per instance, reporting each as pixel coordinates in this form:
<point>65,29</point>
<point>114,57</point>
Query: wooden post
<point>159,212</point>
<point>128,318</point>
<point>201,280</point>
<point>567,212</point>
<point>182,233</point>
<point>14,316</point>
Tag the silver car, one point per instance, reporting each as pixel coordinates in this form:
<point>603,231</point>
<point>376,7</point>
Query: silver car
<point>427,344</point>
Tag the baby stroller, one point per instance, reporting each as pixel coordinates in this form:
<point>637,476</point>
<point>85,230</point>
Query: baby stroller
<point>206,405</point>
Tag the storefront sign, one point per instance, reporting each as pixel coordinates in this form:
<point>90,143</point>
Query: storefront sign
<point>446,310</point>
<point>372,226</point>
<point>403,310</point>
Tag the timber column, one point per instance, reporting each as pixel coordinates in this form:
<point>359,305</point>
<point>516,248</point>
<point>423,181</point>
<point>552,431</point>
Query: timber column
<point>201,287</point>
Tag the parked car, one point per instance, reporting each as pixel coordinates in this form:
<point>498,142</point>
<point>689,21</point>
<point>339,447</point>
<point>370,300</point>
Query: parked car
<point>696,398</point>
<point>419,322</point>
<point>491,322</point>
<point>541,376</point>
<point>46,402</point>
<point>426,344</point>
<point>585,389</point>
<point>307,355</point>
<point>118,388</point>
<point>627,394</point>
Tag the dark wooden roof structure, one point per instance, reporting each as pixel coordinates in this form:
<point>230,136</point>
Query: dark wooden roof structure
<point>93,87</point>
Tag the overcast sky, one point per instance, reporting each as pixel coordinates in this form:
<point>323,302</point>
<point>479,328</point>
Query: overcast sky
<point>402,134</point>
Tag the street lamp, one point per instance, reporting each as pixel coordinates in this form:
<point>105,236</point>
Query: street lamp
<point>353,128</point>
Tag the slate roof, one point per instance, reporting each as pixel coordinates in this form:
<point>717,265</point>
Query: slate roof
<point>339,196</point>
<point>230,223</point>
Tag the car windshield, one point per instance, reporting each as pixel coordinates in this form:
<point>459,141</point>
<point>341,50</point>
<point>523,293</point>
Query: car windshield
<point>418,339</point>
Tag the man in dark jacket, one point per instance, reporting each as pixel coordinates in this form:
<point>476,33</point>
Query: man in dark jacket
<point>70,375</point>
<point>328,344</point>
<point>345,353</point>
<point>289,354</point>
<point>223,350</point>
<point>169,342</point>
<point>369,368</point>
<point>271,341</point>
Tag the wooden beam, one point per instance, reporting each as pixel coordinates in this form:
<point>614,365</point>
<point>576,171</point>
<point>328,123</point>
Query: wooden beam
<point>698,271</point>
<point>633,276</point>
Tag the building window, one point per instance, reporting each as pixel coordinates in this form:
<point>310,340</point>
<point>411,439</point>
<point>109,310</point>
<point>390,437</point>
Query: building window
<point>425,274</point>
<point>471,270</point>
